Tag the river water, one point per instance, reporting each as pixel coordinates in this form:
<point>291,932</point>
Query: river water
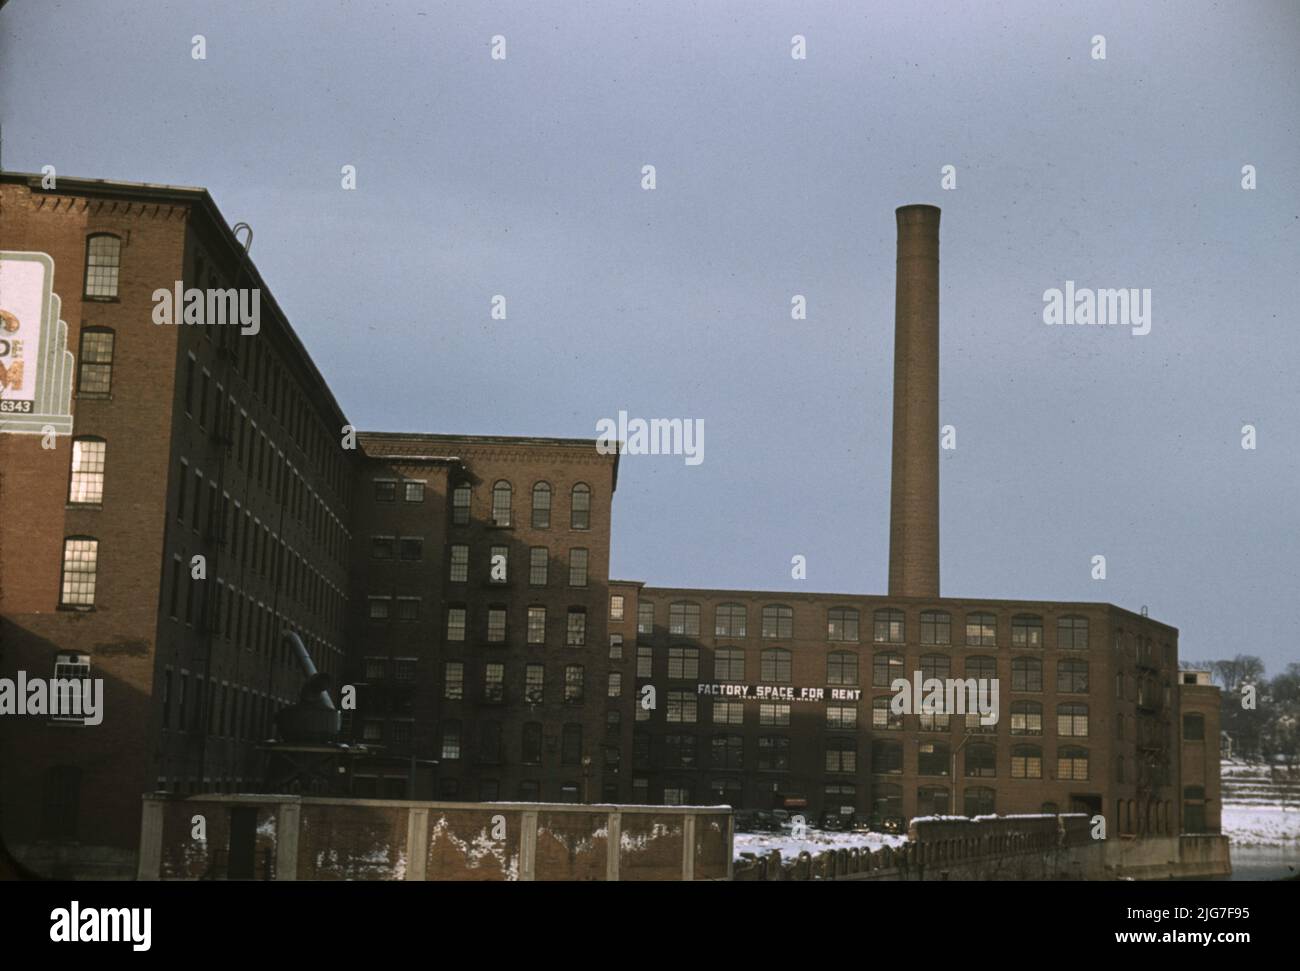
<point>1264,862</point>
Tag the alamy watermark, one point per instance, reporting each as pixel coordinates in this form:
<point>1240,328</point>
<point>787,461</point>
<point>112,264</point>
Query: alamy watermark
<point>949,696</point>
<point>240,307</point>
<point>656,436</point>
<point>1125,307</point>
<point>70,699</point>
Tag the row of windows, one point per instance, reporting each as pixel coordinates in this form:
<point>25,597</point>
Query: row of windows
<point>498,564</point>
<point>777,622</point>
<point>935,758</point>
<point>533,685</point>
<point>575,630</point>
<point>534,741</point>
<point>233,711</point>
<point>386,490</point>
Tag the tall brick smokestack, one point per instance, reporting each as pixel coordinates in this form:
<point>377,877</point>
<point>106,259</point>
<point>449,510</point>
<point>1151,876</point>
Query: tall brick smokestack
<point>914,486</point>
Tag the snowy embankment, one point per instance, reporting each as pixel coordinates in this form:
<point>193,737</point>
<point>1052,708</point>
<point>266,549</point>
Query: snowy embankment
<point>1261,804</point>
<point>1261,825</point>
<point>813,840</point>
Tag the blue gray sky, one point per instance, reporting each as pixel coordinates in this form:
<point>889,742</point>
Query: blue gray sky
<point>775,177</point>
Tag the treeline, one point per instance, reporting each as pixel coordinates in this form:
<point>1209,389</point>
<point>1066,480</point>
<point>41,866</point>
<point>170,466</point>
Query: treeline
<point>1268,730</point>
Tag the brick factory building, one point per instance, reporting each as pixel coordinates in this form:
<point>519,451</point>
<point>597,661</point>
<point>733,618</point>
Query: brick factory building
<point>459,586</point>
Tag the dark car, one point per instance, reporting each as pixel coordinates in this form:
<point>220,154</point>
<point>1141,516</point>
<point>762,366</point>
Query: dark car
<point>744,821</point>
<point>834,822</point>
<point>860,823</point>
<point>765,822</point>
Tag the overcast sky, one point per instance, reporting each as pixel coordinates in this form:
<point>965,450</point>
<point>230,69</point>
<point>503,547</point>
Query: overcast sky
<point>775,177</point>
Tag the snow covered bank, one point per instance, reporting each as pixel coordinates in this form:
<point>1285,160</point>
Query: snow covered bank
<point>814,841</point>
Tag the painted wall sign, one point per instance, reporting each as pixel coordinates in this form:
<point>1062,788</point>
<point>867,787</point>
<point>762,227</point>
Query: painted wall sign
<point>771,692</point>
<point>35,363</point>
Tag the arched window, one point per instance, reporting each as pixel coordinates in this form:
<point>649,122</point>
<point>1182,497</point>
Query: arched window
<point>774,666</point>
<point>886,757</point>
<point>936,628</point>
<point>1026,762</point>
<point>1026,718</point>
<point>460,497</point>
<point>935,666</point>
<point>778,622</point>
<point>842,624</point>
<point>933,758</point>
<point>501,493</point>
<point>729,620</point>
<point>541,505</point>
<point>1072,677</point>
<point>883,716</point>
<point>1072,634</point>
<point>684,618</point>
<point>885,668</point>
<point>1026,631</point>
<point>86,479</point>
<point>1072,720</point>
<point>841,754</point>
<point>103,259</point>
<point>95,362</point>
<point>979,801</point>
<point>580,507</point>
<point>981,630</point>
<point>1026,674</point>
<point>981,760</point>
<point>932,801</point>
<point>889,627</point>
<point>982,667</point>
<point>1072,764</point>
<point>841,668</point>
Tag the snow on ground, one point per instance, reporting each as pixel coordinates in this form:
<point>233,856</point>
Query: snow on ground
<point>1261,825</point>
<point>814,841</point>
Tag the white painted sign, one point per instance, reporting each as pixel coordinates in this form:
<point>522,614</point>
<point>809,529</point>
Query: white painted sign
<point>35,363</point>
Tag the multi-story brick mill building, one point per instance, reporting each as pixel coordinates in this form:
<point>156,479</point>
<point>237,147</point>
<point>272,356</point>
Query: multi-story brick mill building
<point>212,495</point>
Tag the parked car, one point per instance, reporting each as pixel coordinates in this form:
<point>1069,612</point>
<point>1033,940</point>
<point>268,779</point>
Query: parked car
<point>765,822</point>
<point>744,821</point>
<point>782,818</point>
<point>833,822</point>
<point>860,822</point>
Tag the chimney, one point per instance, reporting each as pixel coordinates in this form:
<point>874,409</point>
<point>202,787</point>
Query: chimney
<point>914,485</point>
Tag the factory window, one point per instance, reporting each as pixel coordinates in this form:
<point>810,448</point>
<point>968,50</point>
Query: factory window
<point>530,790</point>
<point>615,685</point>
<point>729,620</point>
<point>979,801</point>
<point>841,755</point>
<point>1194,728</point>
<point>883,716</point>
<point>413,490</point>
<point>460,504</point>
<point>501,494</point>
<point>1026,674</point>
<point>382,547</point>
<point>726,792</point>
<point>645,618</point>
<point>616,647</point>
<point>886,803</point>
<point>86,480</point>
<point>889,627</point>
<point>728,664</point>
<point>536,625</point>
<point>640,789</point>
<point>886,757</point>
<point>494,683</point>
<point>728,713</point>
<point>1026,762</point>
<point>1026,718</point>
<point>531,749</point>
<point>1072,677</point>
<point>933,721</point>
<point>981,760</point>
<point>678,793</point>
<point>538,560</point>
<point>842,624</point>
<point>385,489</point>
<point>641,749</point>
<point>496,625</point>
<point>774,666</point>
<point>95,370</point>
<point>1072,634</point>
<point>683,663</point>
<point>841,668</point>
<point>682,707</point>
<point>80,563</point>
<point>498,564</point>
<point>684,619</point>
<point>541,505</point>
<point>1072,764</point>
<point>376,668</point>
<point>577,628</point>
<point>932,801</point>
<point>577,568</point>
<point>571,744</point>
<point>935,666</point>
<point>459,569</point>
<point>534,684</point>
<point>103,260</point>
<point>453,680</point>
<point>680,751</point>
<point>778,622</point>
<point>613,721</point>
<point>450,740</point>
<point>773,753</point>
<point>936,628</point>
<point>981,630</point>
<point>616,607</point>
<point>644,661</point>
<point>69,666</point>
<point>773,713</point>
<point>580,507</point>
<point>981,667</point>
<point>1072,720</point>
<point>404,669</point>
<point>574,684</point>
<point>455,623</point>
<point>408,608</point>
<point>885,668</point>
<point>1026,631</point>
<point>842,716</point>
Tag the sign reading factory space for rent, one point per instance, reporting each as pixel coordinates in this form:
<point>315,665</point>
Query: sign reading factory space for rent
<point>767,692</point>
